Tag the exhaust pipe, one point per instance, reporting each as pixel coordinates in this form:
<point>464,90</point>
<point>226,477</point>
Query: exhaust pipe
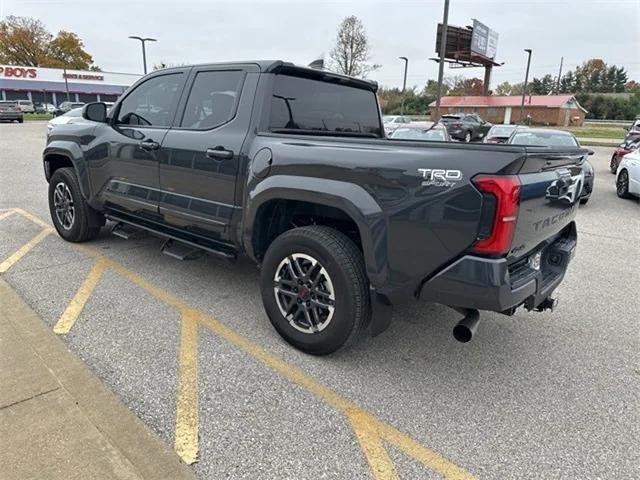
<point>466,328</point>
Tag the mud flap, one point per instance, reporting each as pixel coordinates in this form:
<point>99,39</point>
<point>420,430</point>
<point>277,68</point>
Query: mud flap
<point>381,312</point>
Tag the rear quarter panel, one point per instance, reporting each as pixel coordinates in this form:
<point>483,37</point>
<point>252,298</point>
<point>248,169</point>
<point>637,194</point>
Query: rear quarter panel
<point>419,227</point>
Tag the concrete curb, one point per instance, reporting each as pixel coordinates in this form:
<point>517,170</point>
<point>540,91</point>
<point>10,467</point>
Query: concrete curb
<point>145,452</point>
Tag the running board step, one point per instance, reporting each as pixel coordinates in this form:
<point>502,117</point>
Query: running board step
<point>126,231</point>
<point>146,227</point>
<point>180,250</point>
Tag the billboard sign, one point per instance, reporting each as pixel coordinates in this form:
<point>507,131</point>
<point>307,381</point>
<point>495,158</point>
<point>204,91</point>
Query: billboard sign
<point>484,41</point>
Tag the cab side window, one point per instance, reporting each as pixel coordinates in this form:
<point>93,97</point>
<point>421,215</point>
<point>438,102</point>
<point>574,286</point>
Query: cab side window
<point>212,99</point>
<point>152,103</point>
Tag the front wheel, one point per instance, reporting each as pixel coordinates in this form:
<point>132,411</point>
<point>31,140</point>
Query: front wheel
<point>622,185</point>
<point>315,290</point>
<point>73,218</point>
<point>467,137</point>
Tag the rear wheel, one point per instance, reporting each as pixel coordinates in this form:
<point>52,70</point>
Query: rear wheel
<point>73,218</point>
<point>613,165</point>
<point>622,185</point>
<point>315,290</point>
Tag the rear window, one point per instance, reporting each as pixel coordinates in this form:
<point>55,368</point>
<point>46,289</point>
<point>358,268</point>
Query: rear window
<point>544,139</point>
<point>315,106</point>
<point>434,135</point>
<point>8,102</point>
<point>501,131</point>
<point>25,102</point>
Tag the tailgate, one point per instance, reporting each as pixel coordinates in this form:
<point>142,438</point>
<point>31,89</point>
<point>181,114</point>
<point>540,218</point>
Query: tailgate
<point>551,184</point>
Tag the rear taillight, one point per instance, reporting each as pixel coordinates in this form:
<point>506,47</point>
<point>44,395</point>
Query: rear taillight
<point>503,193</point>
<point>457,124</point>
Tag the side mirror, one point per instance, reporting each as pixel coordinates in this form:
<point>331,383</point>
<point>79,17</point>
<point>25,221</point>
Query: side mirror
<point>590,152</point>
<point>96,112</point>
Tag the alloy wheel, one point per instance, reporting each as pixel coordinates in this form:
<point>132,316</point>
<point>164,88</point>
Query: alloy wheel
<point>623,183</point>
<point>63,204</point>
<point>304,293</point>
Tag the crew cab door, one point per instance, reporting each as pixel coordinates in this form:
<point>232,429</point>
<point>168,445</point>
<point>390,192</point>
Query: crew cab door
<point>203,150</point>
<point>129,178</point>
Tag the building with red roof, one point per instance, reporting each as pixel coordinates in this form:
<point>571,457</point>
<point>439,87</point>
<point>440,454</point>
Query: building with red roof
<point>562,110</point>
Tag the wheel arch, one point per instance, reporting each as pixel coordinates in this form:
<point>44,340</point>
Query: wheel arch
<point>343,202</point>
<point>60,154</point>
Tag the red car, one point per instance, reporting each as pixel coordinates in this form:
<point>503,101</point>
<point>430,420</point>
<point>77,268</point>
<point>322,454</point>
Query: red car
<point>630,144</point>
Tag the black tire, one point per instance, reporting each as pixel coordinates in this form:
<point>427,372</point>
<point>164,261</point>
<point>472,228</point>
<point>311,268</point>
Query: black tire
<point>613,165</point>
<point>583,201</point>
<point>21,120</point>
<point>468,137</point>
<point>344,265</point>
<point>622,184</point>
<point>86,222</point>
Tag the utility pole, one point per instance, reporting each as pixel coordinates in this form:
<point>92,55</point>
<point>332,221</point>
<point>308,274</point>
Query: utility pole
<point>404,82</point>
<point>443,46</point>
<point>559,76</point>
<point>524,87</point>
<point>66,83</point>
<point>144,52</point>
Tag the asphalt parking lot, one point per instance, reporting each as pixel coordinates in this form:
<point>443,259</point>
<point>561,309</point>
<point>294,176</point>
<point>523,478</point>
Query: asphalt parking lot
<point>188,347</point>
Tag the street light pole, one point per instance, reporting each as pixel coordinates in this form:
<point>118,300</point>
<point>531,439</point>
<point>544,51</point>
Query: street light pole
<point>404,82</point>
<point>144,51</point>
<point>524,87</point>
<point>443,47</point>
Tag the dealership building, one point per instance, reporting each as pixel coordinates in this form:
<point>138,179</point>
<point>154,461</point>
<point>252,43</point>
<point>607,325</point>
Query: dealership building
<point>52,85</point>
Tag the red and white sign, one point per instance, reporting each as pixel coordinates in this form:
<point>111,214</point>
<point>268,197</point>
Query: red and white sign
<point>18,72</point>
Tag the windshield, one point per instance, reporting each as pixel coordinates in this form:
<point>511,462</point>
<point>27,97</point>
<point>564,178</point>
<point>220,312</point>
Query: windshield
<point>449,118</point>
<point>544,139</point>
<point>310,106</point>
<point>501,131</point>
<point>435,135</point>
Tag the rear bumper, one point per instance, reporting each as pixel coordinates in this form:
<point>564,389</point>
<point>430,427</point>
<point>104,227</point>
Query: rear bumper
<point>493,284</point>
<point>11,116</point>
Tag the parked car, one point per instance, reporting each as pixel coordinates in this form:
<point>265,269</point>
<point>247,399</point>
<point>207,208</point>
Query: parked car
<point>557,138</point>
<point>391,122</point>
<point>72,116</point>
<point>624,148</point>
<point>10,111</point>
<point>628,175</point>
<point>44,107</point>
<point>466,126</point>
<point>26,106</point>
<point>422,131</point>
<point>290,166</point>
<point>501,133</point>
<point>64,107</point>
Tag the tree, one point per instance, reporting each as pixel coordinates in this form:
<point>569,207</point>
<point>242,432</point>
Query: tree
<point>351,53</point>
<point>67,50</point>
<point>26,41</point>
<point>23,41</point>
<point>468,86</point>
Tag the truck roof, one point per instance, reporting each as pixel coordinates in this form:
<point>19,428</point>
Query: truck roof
<point>280,66</point>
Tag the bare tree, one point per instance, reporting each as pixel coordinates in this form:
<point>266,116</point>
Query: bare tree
<point>351,52</point>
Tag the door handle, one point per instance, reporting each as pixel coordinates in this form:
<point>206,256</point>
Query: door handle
<point>219,153</point>
<point>149,145</point>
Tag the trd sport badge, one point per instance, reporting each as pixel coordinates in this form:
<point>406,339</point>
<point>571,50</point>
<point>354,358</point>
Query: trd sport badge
<point>438,177</point>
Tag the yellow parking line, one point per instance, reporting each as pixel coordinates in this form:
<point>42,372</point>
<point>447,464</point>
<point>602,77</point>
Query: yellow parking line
<point>371,431</point>
<point>371,443</point>
<point>22,251</point>
<point>6,214</point>
<point>186,433</point>
<point>73,310</point>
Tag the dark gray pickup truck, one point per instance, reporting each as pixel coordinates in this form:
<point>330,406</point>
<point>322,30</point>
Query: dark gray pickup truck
<point>290,166</point>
